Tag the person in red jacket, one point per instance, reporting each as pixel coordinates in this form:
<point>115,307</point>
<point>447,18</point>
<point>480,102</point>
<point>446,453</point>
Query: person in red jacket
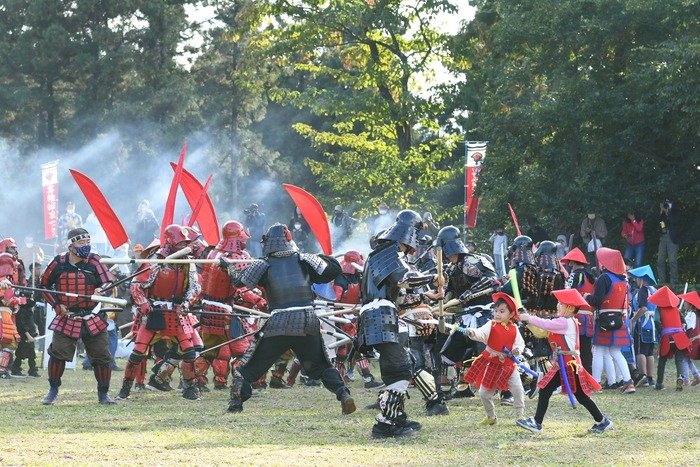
<point>674,342</point>
<point>633,233</point>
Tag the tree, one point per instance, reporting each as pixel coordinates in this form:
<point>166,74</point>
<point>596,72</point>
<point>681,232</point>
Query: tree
<point>587,106</point>
<point>357,63</point>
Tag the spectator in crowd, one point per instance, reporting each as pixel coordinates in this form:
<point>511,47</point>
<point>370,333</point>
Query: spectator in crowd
<point>669,222</point>
<point>298,218</point>
<point>342,225</point>
<point>299,235</point>
<point>562,246</point>
<point>633,233</point>
<point>383,219</point>
<point>500,247</point>
<point>31,252</point>
<point>98,236</point>
<point>593,231</point>
<point>255,223</point>
<point>69,220</point>
<point>146,228</point>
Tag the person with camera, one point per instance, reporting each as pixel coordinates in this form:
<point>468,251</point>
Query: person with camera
<point>669,221</point>
<point>609,300</point>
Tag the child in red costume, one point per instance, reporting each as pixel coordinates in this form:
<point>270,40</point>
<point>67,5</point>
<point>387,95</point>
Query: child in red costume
<point>563,337</point>
<point>493,370</point>
<point>692,321</point>
<point>674,342</point>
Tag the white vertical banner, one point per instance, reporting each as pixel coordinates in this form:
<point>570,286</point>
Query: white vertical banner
<point>49,186</point>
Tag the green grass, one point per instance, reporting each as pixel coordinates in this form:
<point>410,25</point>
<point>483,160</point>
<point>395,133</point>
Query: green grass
<point>304,426</point>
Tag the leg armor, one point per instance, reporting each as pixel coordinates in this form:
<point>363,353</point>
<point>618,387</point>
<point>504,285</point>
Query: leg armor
<point>201,367</point>
<point>241,391</point>
<point>220,366</point>
<point>163,372</point>
<point>294,372</point>
<point>5,360</point>
<point>434,405</point>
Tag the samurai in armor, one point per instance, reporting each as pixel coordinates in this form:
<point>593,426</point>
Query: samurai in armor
<point>471,278</point>
<point>218,323</point>
<point>9,306</point>
<point>347,290</point>
<point>286,275</point>
<point>385,274</point>
<point>77,271</point>
<point>163,296</point>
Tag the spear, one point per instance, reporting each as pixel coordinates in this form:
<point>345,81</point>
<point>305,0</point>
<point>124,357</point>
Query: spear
<point>441,304</point>
<point>171,261</point>
<point>95,298</point>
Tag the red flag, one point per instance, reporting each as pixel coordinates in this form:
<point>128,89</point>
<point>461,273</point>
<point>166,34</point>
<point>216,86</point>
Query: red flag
<point>206,219</point>
<point>200,202</point>
<point>472,210</point>
<point>515,219</point>
<point>103,211</point>
<point>313,213</point>
<point>169,212</point>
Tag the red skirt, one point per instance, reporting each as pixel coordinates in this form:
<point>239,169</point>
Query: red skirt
<point>489,372</point>
<point>588,383</point>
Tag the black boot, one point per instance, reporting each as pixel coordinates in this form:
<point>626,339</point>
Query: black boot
<point>346,401</point>
<point>392,422</point>
<point>125,391</point>
<point>104,399</point>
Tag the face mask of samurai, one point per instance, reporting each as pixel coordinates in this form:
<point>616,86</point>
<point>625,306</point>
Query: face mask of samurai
<point>82,251</point>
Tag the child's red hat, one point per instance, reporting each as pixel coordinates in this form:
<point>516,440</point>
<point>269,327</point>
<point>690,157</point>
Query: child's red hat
<point>574,255</point>
<point>570,297</point>
<point>664,298</point>
<point>510,301</point>
<point>691,297</point>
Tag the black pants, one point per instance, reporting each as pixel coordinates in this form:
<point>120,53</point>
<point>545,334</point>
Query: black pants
<point>25,350</point>
<point>661,366</point>
<point>586,350</point>
<point>394,364</point>
<point>581,397</point>
<point>309,350</point>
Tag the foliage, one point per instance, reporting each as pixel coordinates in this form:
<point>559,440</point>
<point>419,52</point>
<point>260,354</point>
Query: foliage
<point>358,61</point>
<point>587,106</point>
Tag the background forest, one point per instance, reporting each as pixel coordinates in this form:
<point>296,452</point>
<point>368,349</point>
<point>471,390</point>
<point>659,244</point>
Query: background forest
<point>588,106</point>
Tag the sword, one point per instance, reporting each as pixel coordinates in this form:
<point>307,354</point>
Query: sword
<point>248,334</point>
<point>171,261</point>
<point>441,301</point>
<point>565,377</point>
<point>519,364</point>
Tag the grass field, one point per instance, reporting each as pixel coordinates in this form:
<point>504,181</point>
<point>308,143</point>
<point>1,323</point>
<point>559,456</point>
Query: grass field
<point>303,426</point>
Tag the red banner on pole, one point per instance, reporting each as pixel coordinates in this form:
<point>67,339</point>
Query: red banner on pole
<point>108,219</point>
<point>49,185</point>
<point>476,151</point>
<point>313,213</point>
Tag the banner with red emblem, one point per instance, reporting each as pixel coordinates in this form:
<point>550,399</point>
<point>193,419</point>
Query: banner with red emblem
<point>49,185</point>
<point>476,151</point>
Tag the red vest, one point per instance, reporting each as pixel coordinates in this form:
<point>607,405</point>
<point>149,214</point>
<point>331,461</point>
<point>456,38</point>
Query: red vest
<point>501,336</point>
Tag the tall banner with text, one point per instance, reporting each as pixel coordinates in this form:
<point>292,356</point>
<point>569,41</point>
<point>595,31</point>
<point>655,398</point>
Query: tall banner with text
<point>476,151</point>
<point>49,185</point>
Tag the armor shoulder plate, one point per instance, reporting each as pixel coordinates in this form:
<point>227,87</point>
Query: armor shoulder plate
<point>381,263</point>
<point>316,263</point>
<point>253,273</point>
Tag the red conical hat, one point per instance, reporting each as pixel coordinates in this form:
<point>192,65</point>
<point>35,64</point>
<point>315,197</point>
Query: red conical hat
<point>664,298</point>
<point>691,297</point>
<point>574,255</point>
<point>510,301</point>
<point>611,260</point>
<point>570,297</point>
